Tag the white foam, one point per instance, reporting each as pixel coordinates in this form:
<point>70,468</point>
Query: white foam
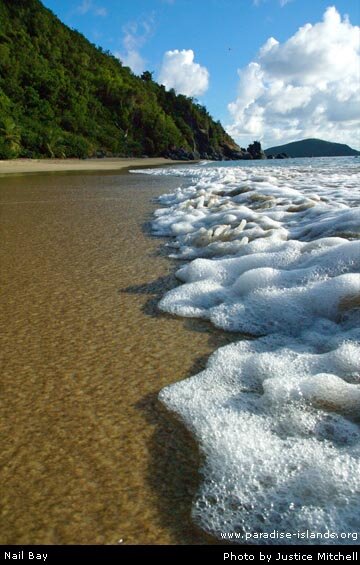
<point>275,253</point>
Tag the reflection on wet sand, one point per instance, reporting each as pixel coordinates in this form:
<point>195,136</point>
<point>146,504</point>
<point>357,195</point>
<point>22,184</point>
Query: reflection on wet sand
<point>89,455</point>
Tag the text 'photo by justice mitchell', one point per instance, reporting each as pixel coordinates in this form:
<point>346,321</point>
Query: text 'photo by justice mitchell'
<point>180,279</point>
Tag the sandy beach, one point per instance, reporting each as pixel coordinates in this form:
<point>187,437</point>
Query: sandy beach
<point>18,166</point>
<point>89,456</point>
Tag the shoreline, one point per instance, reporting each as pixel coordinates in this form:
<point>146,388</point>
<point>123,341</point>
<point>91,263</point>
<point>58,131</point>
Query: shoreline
<point>20,166</point>
<point>85,354</point>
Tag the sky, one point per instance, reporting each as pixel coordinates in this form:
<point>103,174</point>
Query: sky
<point>272,70</point>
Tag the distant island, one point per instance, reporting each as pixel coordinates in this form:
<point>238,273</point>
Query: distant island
<point>61,97</point>
<point>311,148</point>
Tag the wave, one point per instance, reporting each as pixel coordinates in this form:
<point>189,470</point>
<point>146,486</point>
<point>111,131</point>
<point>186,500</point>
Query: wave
<point>273,253</point>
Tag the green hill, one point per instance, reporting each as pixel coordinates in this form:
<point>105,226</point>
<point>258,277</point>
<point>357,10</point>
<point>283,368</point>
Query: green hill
<point>312,148</point>
<point>60,96</point>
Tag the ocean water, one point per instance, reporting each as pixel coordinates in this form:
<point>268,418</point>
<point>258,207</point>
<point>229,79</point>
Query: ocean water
<point>272,251</point>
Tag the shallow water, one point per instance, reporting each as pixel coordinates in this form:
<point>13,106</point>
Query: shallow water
<point>88,454</point>
<point>273,251</point>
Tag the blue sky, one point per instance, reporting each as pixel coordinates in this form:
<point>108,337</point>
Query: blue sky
<point>210,49</point>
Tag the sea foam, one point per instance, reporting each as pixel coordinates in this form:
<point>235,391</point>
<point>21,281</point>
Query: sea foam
<point>274,253</point>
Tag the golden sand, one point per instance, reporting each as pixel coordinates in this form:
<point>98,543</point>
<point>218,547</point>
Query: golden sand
<point>88,455</point>
<point>18,166</point>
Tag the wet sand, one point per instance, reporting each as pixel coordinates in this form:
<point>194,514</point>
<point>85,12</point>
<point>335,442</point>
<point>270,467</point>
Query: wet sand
<point>88,454</point>
<point>20,166</point>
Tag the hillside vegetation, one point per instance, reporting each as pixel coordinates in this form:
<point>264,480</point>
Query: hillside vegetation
<point>60,96</point>
<point>313,148</point>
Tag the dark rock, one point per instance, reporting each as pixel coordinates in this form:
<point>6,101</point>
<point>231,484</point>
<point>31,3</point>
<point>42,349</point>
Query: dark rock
<point>278,156</point>
<point>100,154</point>
<point>256,151</point>
<point>232,153</point>
<point>195,156</point>
<point>180,154</point>
<point>226,152</point>
<point>236,155</point>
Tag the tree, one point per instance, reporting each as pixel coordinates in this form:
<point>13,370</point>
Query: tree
<point>147,76</point>
<point>62,96</point>
<point>11,137</point>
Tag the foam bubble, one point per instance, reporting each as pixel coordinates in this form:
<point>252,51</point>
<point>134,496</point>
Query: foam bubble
<point>273,251</point>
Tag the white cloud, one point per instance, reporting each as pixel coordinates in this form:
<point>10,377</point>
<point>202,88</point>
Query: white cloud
<point>102,12</point>
<point>308,86</point>
<point>179,71</point>
<point>84,7</point>
<point>134,60</point>
<point>136,34</point>
<point>87,6</point>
